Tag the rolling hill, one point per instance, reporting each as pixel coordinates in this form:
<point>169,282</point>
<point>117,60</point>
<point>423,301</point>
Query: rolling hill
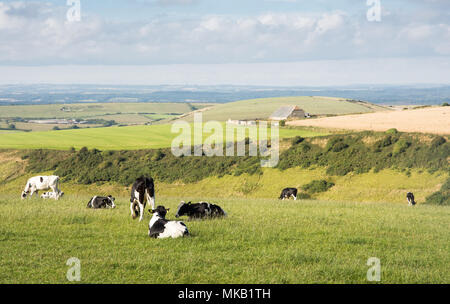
<point>263,107</point>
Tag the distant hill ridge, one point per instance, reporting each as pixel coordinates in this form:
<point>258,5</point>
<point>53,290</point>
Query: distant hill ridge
<point>262,108</point>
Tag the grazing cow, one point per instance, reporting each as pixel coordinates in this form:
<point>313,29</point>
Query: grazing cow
<point>143,191</point>
<point>53,195</point>
<point>288,193</point>
<point>99,202</point>
<point>160,228</point>
<point>410,199</point>
<point>37,183</point>
<point>200,210</point>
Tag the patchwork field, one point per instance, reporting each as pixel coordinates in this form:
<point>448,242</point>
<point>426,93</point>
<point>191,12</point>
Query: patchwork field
<point>121,113</point>
<point>316,241</point>
<point>434,120</point>
<point>92,109</point>
<point>264,107</point>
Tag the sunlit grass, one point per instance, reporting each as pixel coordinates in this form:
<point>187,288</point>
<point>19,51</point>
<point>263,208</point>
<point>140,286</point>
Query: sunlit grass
<point>115,138</point>
<point>261,241</point>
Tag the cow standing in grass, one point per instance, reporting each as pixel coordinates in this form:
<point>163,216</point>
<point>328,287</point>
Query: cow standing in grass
<point>288,193</point>
<point>410,199</point>
<point>143,191</point>
<point>44,183</point>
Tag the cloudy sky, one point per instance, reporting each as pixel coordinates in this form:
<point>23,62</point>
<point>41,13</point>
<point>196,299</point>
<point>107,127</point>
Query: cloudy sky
<point>248,42</point>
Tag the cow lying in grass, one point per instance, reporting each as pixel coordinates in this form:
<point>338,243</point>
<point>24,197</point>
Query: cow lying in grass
<point>200,210</point>
<point>160,228</point>
<point>54,195</point>
<point>101,202</point>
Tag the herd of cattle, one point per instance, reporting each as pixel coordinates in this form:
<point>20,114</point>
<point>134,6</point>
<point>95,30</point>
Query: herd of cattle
<point>143,191</point>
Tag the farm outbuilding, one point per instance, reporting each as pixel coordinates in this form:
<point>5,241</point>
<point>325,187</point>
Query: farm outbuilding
<point>287,112</point>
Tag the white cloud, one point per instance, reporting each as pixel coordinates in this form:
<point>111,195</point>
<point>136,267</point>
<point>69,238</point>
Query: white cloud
<point>38,33</point>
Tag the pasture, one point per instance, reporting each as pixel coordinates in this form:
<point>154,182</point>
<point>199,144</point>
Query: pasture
<point>262,108</point>
<point>261,241</point>
<point>114,138</point>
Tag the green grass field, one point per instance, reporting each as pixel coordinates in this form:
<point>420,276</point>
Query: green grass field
<point>262,108</point>
<point>113,138</point>
<point>261,241</point>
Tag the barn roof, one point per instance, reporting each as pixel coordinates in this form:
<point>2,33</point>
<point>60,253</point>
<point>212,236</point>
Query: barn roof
<point>283,112</point>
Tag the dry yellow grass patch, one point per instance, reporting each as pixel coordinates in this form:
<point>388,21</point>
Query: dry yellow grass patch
<point>435,120</point>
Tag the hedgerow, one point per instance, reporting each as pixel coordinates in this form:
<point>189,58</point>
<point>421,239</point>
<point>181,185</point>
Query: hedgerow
<point>91,166</point>
<point>342,154</point>
<point>317,186</point>
<point>352,153</point>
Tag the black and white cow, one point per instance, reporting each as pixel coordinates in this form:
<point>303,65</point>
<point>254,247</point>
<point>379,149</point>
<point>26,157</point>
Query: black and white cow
<point>160,228</point>
<point>47,195</point>
<point>199,210</point>
<point>143,191</point>
<point>288,193</point>
<point>99,202</point>
<point>38,183</point>
<point>410,199</point>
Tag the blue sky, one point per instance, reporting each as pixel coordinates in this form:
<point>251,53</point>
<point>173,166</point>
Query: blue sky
<point>222,40</point>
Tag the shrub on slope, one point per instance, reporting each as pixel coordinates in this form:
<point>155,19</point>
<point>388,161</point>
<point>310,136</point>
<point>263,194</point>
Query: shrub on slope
<point>362,152</point>
<point>441,197</point>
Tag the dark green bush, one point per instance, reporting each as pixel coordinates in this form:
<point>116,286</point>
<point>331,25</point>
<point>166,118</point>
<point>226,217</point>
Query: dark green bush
<point>437,141</point>
<point>392,131</point>
<point>297,139</point>
<point>317,186</point>
<point>303,195</point>
<point>401,146</point>
<point>338,147</point>
<point>441,197</point>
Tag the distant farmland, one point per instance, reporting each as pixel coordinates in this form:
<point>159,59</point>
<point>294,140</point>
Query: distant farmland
<point>264,107</point>
<point>121,113</point>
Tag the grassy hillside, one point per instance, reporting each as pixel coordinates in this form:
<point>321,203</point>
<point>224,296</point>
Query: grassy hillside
<point>363,167</point>
<point>113,138</point>
<point>316,241</point>
<point>264,107</point>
